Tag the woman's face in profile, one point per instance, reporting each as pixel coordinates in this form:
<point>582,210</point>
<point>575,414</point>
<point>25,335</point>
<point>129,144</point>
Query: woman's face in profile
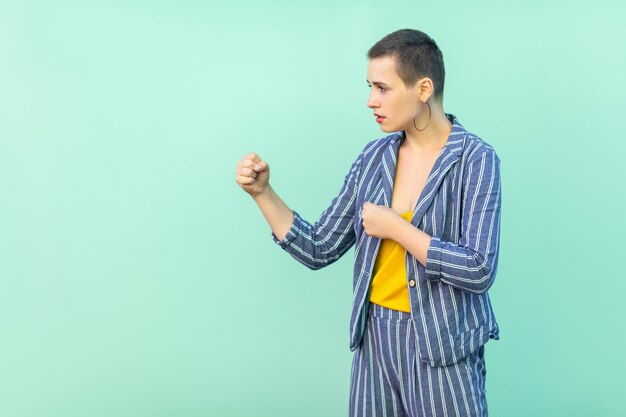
<point>389,97</point>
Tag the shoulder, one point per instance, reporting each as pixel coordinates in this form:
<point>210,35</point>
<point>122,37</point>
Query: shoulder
<point>375,147</point>
<point>476,154</point>
<point>371,155</point>
<point>482,163</point>
<point>467,145</point>
<point>476,148</point>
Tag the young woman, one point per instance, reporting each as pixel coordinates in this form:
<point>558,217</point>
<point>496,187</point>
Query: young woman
<point>422,208</point>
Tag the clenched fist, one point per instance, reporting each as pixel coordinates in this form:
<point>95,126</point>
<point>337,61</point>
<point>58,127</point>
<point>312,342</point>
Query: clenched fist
<point>253,174</point>
<point>379,221</point>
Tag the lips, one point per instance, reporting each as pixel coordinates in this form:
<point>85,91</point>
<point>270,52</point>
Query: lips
<point>377,115</point>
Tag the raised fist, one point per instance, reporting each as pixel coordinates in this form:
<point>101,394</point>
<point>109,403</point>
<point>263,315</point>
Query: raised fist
<point>252,174</point>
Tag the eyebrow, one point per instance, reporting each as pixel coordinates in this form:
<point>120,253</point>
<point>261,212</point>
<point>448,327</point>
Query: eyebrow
<point>377,83</point>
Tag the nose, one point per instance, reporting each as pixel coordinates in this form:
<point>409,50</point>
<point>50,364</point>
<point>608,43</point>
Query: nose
<point>371,103</point>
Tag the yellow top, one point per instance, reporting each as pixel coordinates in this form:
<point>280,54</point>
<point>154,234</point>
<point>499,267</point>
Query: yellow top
<point>389,286</point>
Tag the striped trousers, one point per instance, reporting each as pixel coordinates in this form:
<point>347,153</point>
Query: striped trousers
<point>389,379</point>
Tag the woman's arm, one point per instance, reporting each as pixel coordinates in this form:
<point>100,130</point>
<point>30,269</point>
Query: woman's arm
<point>319,244</point>
<point>278,215</point>
<point>314,245</point>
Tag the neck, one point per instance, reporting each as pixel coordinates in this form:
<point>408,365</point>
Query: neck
<point>434,136</point>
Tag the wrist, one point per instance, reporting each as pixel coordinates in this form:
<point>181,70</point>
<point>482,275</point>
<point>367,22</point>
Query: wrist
<point>395,230</point>
<point>263,194</point>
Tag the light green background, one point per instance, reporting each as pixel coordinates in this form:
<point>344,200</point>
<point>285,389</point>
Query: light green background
<point>137,278</point>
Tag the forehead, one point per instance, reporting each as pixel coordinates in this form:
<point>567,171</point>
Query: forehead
<point>382,69</point>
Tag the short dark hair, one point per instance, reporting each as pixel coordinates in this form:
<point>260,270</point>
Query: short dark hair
<point>417,56</point>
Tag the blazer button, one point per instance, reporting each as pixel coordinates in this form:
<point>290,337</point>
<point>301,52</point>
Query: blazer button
<point>412,283</point>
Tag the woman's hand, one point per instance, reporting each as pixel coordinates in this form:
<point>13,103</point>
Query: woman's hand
<point>253,174</point>
<point>380,221</point>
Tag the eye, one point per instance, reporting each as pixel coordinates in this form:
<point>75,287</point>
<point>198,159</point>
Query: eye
<point>381,89</point>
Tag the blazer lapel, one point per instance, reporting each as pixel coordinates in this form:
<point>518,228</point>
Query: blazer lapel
<point>448,156</point>
<point>388,167</point>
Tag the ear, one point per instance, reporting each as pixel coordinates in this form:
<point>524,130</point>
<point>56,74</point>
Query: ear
<point>424,88</point>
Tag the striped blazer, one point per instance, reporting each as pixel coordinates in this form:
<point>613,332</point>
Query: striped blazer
<point>459,207</point>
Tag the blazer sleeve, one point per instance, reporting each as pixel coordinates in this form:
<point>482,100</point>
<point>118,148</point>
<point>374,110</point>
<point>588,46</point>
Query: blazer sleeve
<point>472,263</point>
<point>322,243</point>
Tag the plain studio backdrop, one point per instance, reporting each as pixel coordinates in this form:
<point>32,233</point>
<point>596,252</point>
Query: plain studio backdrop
<point>138,279</point>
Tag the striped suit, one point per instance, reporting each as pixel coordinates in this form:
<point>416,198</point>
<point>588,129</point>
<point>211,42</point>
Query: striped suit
<point>459,207</point>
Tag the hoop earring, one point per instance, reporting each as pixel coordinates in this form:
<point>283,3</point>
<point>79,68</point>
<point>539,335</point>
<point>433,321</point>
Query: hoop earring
<point>419,130</point>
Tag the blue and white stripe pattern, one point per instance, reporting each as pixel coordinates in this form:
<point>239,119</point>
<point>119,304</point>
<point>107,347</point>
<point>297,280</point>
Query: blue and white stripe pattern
<point>388,380</point>
<point>459,207</point>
